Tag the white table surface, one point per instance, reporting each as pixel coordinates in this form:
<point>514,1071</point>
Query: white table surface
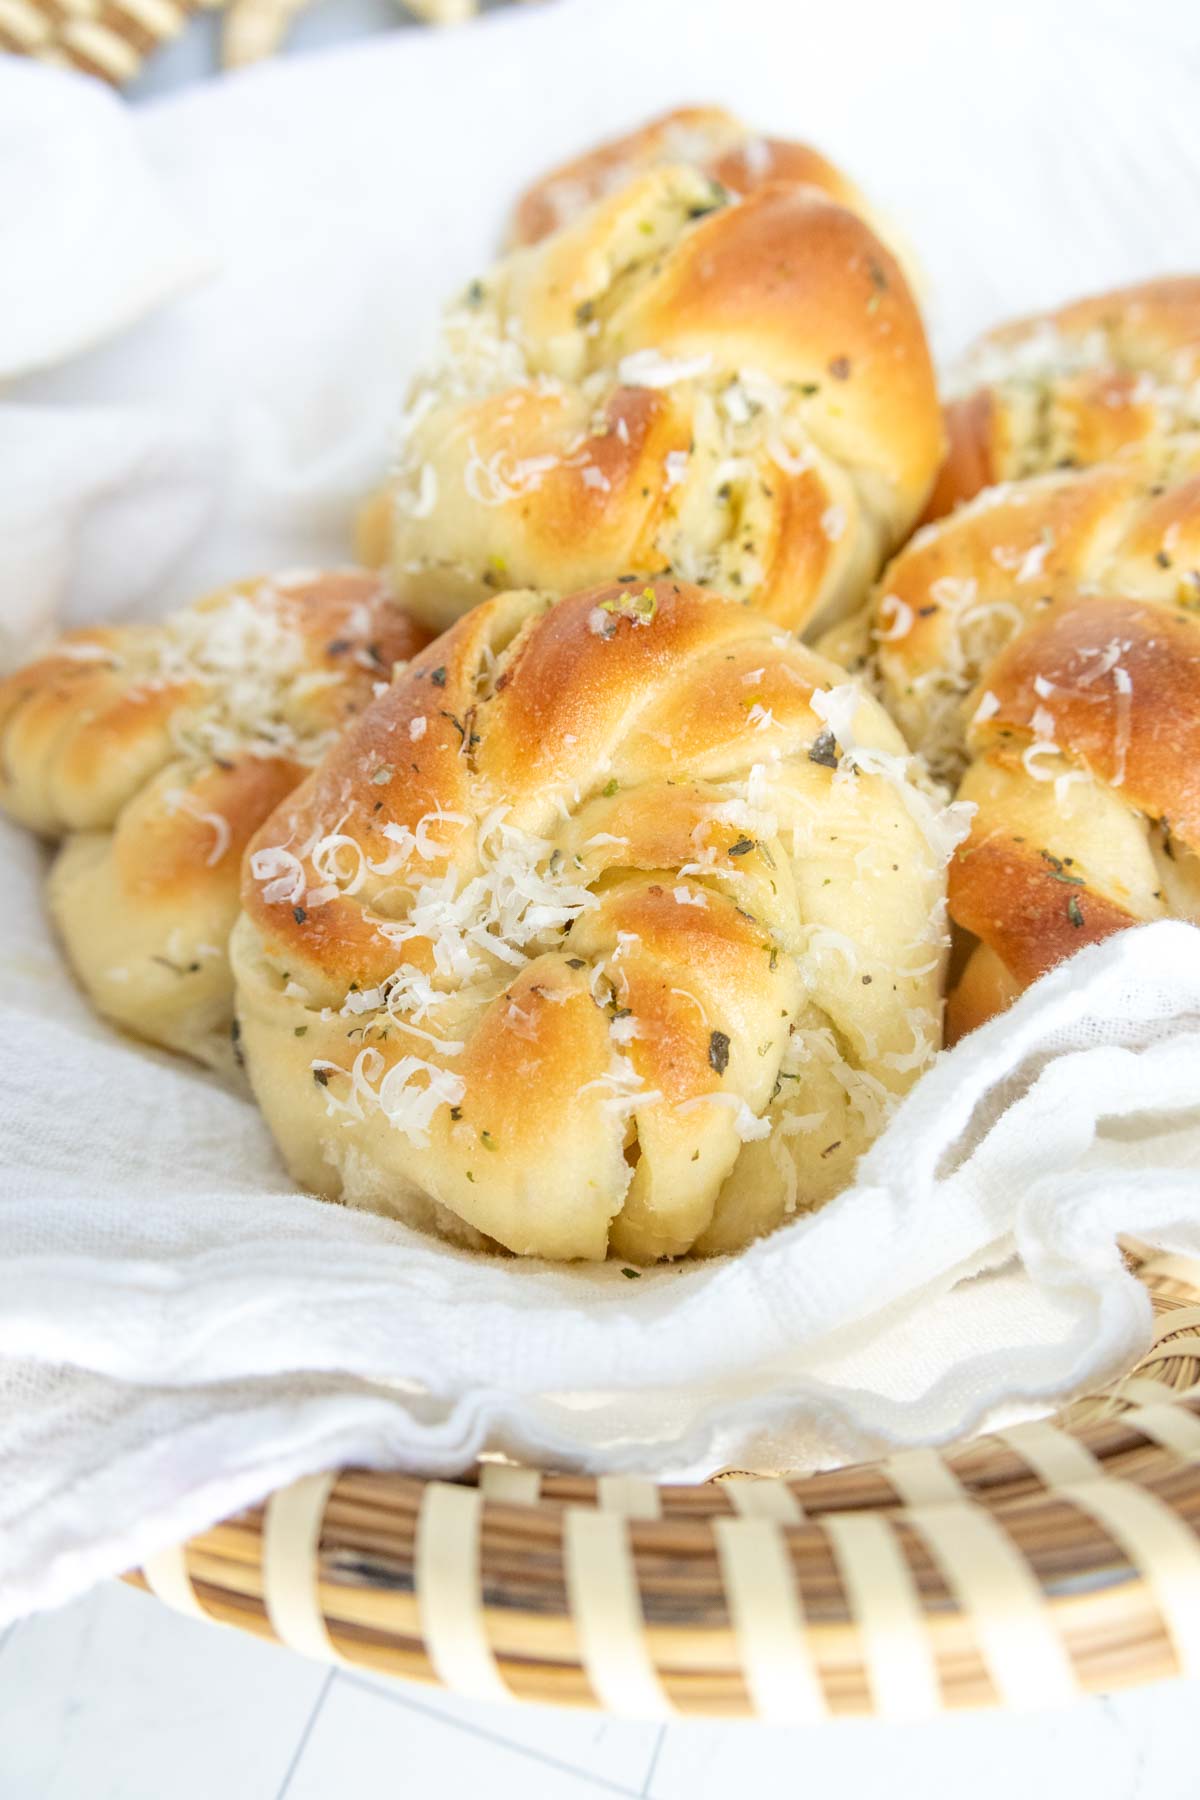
<point>116,1698</point>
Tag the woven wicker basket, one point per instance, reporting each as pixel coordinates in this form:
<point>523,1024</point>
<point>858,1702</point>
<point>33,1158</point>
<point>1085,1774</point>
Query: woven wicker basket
<point>113,38</point>
<point>1018,1569</point>
<point>107,38</point>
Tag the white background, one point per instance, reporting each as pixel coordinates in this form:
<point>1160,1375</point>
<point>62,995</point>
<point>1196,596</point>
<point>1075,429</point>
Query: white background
<point>115,1698</point>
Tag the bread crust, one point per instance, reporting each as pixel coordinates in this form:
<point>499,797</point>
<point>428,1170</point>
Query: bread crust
<point>596,865</point>
<point>1042,646</point>
<point>707,136</point>
<point>152,753</point>
<point>1074,387</point>
<point>736,391</point>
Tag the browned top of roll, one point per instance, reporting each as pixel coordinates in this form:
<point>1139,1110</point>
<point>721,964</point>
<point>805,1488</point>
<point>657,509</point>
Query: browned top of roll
<point>533,940</point>
<point>1074,386</point>
<point>1042,645</point>
<point>738,391</point>
<point>155,751</point>
<point>706,136</point>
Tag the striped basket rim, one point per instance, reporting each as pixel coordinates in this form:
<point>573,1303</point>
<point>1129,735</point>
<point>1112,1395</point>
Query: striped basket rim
<point>1018,1569</point>
<point>109,39</point>
<point>112,39</point>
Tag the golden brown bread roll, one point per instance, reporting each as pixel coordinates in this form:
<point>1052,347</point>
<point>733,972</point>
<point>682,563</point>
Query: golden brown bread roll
<point>715,142</point>
<point>155,751</point>
<point>708,137</point>
<point>614,924</point>
<point>1042,646</point>
<point>735,391</point>
<point>1073,387</point>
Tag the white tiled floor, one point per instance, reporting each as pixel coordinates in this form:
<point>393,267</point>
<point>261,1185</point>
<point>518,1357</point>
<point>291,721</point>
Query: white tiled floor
<point>115,1698</point>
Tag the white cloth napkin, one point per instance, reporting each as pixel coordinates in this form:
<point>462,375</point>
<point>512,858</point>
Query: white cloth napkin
<point>179,1330</point>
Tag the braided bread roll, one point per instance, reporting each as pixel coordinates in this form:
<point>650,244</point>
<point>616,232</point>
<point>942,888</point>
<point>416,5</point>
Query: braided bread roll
<point>155,752</point>
<point>707,137</point>
<point>1074,387</point>
<point>736,391</point>
<point>1042,645</point>
<point>613,924</point>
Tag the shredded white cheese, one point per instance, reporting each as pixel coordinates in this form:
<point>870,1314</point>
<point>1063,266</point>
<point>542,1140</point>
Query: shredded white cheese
<point>650,369</point>
<point>179,800</point>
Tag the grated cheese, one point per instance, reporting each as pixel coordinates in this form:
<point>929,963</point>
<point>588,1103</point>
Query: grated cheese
<point>282,874</point>
<point>179,800</point>
<point>898,617</point>
<point>943,827</point>
<point>746,1125</point>
<point>651,369</point>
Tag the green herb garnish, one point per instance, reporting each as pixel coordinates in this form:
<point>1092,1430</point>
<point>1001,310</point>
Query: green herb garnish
<point>1057,871</point>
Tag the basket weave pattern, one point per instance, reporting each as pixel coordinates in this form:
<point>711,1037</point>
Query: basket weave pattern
<point>111,39</point>
<point>106,38</point>
<point>1022,1568</point>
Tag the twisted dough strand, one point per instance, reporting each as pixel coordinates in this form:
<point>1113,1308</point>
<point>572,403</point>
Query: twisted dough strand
<point>736,391</point>
<point>1042,644</point>
<point>636,940</point>
<point>709,138</point>
<point>155,751</point>
<point>1072,388</point>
